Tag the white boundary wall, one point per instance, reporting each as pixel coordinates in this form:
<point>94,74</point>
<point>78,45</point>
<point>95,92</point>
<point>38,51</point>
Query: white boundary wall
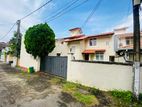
<point>27,60</point>
<point>102,76</point>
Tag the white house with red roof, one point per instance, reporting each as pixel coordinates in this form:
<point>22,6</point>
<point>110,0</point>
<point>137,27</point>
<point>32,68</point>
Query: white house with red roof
<point>100,47</point>
<point>86,47</point>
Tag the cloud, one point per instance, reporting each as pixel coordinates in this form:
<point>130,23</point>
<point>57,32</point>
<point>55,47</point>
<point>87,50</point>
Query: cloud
<point>12,10</point>
<point>127,22</point>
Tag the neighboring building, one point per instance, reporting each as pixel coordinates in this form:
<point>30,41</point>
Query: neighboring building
<point>2,46</point>
<point>125,45</point>
<point>61,48</point>
<point>93,48</point>
<point>101,47</point>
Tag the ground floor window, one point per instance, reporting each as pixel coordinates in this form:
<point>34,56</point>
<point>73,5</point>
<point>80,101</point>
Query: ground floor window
<point>99,56</point>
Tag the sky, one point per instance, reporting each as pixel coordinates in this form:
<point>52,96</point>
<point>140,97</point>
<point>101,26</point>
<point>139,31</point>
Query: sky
<point>109,15</point>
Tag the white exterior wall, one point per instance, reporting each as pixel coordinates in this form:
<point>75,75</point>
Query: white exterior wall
<point>75,32</point>
<point>61,47</point>
<point>101,44</point>
<point>79,48</point>
<point>27,60</point>
<point>109,77</point>
<point>3,55</point>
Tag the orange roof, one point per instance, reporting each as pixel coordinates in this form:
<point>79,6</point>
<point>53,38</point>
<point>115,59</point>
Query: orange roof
<point>74,29</point>
<point>75,38</point>
<point>92,51</point>
<point>81,37</point>
<point>101,35</point>
<point>89,51</point>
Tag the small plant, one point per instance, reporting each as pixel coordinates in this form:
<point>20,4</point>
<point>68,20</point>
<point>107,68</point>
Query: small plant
<point>125,96</point>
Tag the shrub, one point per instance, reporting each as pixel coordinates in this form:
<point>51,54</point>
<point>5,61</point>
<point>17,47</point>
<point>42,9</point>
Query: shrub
<point>125,96</point>
<point>94,91</point>
<point>39,40</point>
<point>140,97</point>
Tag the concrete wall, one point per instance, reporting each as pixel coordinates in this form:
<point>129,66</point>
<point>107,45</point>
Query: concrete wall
<point>61,47</point>
<point>27,60</point>
<point>102,76</point>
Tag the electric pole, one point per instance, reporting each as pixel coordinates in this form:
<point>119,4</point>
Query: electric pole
<point>17,39</point>
<point>136,47</point>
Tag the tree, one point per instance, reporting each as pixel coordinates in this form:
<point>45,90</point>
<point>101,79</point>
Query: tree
<point>39,40</point>
<point>15,45</point>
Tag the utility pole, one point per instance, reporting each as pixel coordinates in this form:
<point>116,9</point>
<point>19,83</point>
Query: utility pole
<point>136,47</point>
<point>17,39</point>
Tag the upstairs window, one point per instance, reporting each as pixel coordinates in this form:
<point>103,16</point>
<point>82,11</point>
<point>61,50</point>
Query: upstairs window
<point>93,42</point>
<point>72,49</point>
<point>127,41</point>
<point>107,43</point>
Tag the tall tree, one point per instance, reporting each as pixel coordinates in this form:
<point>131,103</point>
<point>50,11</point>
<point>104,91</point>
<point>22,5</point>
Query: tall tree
<point>15,45</point>
<point>39,40</point>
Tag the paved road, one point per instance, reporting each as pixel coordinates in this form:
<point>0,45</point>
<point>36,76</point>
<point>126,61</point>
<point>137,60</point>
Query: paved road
<point>30,90</point>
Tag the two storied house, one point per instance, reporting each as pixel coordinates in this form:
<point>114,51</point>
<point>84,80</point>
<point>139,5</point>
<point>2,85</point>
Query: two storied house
<point>83,47</point>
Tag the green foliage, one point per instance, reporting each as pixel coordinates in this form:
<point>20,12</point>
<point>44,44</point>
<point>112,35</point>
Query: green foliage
<point>15,45</point>
<point>69,87</point>
<point>125,96</point>
<point>140,97</point>
<point>94,91</point>
<point>39,40</point>
<point>86,99</point>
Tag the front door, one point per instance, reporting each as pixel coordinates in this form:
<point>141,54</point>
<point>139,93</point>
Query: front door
<point>86,57</point>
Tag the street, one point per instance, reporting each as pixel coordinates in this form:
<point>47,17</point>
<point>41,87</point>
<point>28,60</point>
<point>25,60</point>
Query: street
<point>18,89</point>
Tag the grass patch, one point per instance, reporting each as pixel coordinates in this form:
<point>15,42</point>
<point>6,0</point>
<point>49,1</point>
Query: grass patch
<point>70,87</point>
<point>55,80</point>
<point>73,89</point>
<point>88,100</point>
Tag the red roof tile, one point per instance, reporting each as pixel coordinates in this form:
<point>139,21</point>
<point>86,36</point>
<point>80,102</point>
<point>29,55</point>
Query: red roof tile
<point>74,29</point>
<point>81,37</point>
<point>101,35</point>
<point>92,51</point>
<point>75,39</point>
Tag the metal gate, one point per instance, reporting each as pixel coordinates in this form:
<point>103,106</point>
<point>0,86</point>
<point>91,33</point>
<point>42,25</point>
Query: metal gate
<point>54,65</point>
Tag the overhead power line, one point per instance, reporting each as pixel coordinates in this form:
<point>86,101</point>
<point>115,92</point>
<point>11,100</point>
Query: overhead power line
<point>8,31</point>
<point>36,10</point>
<point>92,12</point>
<point>64,12</point>
<point>61,10</point>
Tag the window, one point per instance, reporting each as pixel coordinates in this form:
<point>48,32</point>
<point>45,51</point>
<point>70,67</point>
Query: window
<point>93,42</point>
<point>127,41</point>
<point>72,49</point>
<point>58,54</point>
<point>99,56</point>
<point>107,43</point>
